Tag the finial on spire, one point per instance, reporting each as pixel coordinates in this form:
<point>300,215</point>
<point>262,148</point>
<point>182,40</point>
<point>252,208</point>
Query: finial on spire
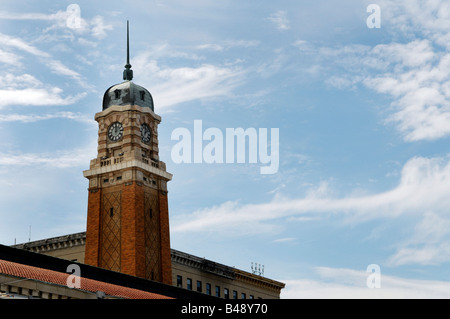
<point>128,73</point>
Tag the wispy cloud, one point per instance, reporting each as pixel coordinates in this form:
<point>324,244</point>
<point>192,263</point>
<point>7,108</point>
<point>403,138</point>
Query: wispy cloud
<point>343,283</point>
<point>54,65</point>
<point>424,186</point>
<point>428,245</point>
<point>414,74</point>
<point>228,44</point>
<point>280,20</point>
<point>99,28</point>
<point>37,97</point>
<point>22,45</point>
<point>59,68</point>
<point>10,58</point>
<point>25,89</point>
<point>418,85</point>
<point>172,86</point>
<point>58,159</point>
<point>96,26</point>
<point>30,118</point>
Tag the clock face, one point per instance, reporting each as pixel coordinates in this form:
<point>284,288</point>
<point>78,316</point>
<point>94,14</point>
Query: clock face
<point>115,131</point>
<point>146,134</point>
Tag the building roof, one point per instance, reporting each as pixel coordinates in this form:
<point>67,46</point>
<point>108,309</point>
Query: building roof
<point>22,263</point>
<point>203,264</point>
<point>54,277</point>
<point>223,270</point>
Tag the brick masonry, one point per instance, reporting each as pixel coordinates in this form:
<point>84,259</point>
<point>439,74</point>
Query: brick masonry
<point>93,228</point>
<point>132,231</point>
<point>166,262</point>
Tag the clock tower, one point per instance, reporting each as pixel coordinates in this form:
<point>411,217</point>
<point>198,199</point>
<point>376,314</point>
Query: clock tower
<point>127,216</point>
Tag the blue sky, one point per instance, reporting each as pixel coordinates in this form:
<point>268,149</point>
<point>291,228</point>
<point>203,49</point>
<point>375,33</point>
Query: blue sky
<point>363,118</point>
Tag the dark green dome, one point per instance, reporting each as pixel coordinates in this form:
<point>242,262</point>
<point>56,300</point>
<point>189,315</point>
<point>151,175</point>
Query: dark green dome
<point>127,93</point>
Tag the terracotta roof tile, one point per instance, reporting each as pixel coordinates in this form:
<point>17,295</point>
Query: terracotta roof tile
<point>54,277</point>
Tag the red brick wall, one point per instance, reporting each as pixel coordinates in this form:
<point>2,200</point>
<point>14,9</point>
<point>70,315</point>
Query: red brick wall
<point>133,248</point>
<point>166,261</point>
<point>132,232</point>
<point>93,228</point>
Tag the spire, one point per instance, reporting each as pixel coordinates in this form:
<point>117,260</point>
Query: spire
<point>128,73</point>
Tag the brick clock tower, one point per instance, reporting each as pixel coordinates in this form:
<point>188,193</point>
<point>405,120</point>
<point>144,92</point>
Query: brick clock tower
<point>127,216</point>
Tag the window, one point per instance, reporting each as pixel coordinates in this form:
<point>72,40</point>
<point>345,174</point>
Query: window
<point>234,294</point>
<point>189,284</point>
<point>117,94</point>
<point>199,286</point>
<point>111,212</point>
<point>119,178</point>
<point>142,95</point>
<point>217,291</point>
<point>208,289</point>
<point>243,296</point>
<point>179,281</point>
<point>226,293</point>
<point>251,297</point>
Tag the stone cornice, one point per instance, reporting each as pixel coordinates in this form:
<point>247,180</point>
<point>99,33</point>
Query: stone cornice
<point>259,280</point>
<point>202,264</point>
<point>122,108</point>
<point>38,246</point>
<point>125,165</point>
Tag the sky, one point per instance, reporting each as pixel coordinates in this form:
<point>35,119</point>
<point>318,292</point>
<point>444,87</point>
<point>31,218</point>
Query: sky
<point>361,112</point>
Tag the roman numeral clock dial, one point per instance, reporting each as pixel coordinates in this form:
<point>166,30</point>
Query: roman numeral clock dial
<point>146,134</point>
<point>115,131</point>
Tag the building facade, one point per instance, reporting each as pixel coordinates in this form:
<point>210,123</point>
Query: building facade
<point>189,272</point>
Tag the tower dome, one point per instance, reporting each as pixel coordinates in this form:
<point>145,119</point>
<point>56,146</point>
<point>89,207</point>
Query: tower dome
<point>127,92</point>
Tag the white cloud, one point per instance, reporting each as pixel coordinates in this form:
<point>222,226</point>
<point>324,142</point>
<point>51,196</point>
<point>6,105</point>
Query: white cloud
<point>9,58</point>
<point>30,118</point>
<point>99,27</point>
<point>25,89</point>
<point>429,244</point>
<point>59,68</point>
<point>37,97</point>
<point>418,79</point>
<point>430,19</point>
<point>55,66</point>
<point>57,159</point>
<point>227,44</point>
<point>65,20</point>
<point>415,72</point>
<point>416,75</point>
<point>280,19</point>
<point>18,43</point>
<point>424,186</point>
<point>334,283</point>
<point>173,86</point>
<point>12,81</point>
<point>419,84</point>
